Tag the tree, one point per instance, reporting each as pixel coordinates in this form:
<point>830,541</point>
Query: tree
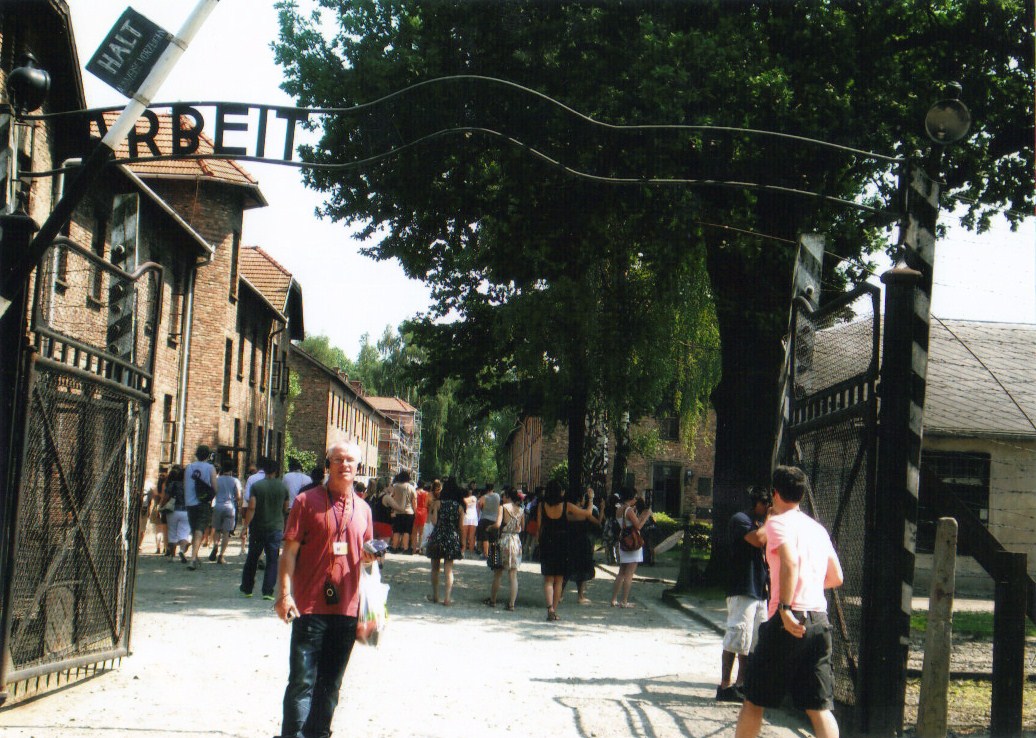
<point>587,303</point>
<point>516,252</point>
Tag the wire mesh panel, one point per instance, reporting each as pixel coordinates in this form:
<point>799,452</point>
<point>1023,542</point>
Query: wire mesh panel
<point>84,443</point>
<point>73,558</point>
<point>832,430</point>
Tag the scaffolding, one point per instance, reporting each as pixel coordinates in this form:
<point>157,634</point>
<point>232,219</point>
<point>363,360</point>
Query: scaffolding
<point>401,448</point>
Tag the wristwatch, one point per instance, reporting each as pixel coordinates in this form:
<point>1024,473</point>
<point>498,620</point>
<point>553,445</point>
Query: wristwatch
<point>782,606</point>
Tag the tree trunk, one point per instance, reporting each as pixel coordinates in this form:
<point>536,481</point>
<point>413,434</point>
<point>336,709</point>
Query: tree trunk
<point>577,410</point>
<point>622,453</point>
<point>752,297</point>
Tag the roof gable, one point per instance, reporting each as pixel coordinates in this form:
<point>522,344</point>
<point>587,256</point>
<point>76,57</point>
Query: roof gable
<point>224,171</point>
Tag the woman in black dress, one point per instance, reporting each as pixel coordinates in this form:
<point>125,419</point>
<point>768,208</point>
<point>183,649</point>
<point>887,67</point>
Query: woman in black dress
<point>553,516</point>
<point>581,545</point>
<point>444,543</point>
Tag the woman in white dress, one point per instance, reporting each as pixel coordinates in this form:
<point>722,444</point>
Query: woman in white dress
<point>626,514</point>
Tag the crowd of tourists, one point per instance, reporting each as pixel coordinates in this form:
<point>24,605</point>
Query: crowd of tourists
<point>781,563</point>
<point>199,508</point>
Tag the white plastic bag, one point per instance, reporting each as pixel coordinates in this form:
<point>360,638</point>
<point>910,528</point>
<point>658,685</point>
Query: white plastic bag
<point>373,613</point>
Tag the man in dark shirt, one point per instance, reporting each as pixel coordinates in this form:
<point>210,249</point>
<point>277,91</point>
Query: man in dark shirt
<point>746,591</point>
<point>264,516</point>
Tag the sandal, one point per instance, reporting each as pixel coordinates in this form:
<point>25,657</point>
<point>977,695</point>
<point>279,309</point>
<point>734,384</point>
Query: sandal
<point>431,599</point>
<point>627,605</point>
<point>510,608</point>
<point>551,616</point>
<point>488,602</point>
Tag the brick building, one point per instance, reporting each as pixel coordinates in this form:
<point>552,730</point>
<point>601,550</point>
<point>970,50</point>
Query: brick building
<point>681,482</point>
<point>330,408</point>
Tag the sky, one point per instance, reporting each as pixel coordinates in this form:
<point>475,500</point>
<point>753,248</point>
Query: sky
<point>346,295</point>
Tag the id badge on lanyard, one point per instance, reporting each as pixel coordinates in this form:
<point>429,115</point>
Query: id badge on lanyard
<point>341,548</point>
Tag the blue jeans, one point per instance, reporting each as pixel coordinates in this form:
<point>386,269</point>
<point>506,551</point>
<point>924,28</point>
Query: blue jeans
<point>270,542</point>
<point>320,648</point>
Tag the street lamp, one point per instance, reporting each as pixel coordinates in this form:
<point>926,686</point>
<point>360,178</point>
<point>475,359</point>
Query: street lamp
<point>27,85</point>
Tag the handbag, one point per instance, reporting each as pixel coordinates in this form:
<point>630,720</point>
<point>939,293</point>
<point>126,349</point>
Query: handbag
<point>495,558</point>
<point>169,506</point>
<point>630,539</point>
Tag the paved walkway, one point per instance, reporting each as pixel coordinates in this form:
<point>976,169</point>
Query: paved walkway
<point>208,662</point>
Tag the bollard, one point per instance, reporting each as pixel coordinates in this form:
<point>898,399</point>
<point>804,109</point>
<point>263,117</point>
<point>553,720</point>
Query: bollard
<point>935,674</point>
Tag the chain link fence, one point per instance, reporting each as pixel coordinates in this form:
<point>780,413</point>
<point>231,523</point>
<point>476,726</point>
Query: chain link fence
<point>85,440</point>
<point>832,436</point>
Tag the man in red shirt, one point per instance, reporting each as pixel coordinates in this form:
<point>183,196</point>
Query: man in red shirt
<point>318,592</point>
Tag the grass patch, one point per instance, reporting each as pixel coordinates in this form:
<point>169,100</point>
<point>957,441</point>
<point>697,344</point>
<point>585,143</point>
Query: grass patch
<point>968,704</point>
<point>974,625</point>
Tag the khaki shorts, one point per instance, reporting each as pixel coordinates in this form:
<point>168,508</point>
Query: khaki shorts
<point>744,616</point>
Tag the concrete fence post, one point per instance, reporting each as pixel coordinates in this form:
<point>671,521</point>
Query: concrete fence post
<point>935,674</point>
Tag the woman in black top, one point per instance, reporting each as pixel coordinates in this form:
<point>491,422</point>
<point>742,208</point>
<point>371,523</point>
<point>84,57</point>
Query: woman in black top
<point>553,516</point>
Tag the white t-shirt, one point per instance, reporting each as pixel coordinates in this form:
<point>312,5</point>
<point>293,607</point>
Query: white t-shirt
<point>257,477</point>
<point>295,481</point>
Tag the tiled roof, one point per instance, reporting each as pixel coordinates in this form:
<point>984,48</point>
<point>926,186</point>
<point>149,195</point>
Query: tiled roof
<point>266,275</point>
<point>221,170</point>
<point>392,405</point>
<point>981,379</point>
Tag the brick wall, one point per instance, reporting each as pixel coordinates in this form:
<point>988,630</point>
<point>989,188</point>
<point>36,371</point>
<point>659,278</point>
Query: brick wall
<point>534,451</point>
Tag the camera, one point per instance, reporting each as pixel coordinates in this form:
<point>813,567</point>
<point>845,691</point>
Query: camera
<point>330,592</point>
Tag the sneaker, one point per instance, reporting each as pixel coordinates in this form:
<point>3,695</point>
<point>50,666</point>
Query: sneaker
<point>729,694</point>
<point>268,597</point>
<point>245,594</point>
<point>212,555</point>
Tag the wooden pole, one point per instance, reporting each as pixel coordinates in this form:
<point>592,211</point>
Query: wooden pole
<point>935,674</point>
<point>1008,644</point>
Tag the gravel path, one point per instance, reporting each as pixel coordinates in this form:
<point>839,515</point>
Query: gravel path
<point>208,662</point>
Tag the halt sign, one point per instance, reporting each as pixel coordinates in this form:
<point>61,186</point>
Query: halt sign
<point>132,47</point>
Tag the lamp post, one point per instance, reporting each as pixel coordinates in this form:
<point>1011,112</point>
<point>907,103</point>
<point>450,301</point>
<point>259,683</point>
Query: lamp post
<point>890,552</point>
<point>27,88</point>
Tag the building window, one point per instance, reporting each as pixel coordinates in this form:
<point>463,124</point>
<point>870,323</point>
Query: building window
<point>260,448</point>
<point>176,299</point>
<point>669,428</point>
<point>251,367</point>
<point>262,370</point>
<point>237,437</point>
<point>168,430</point>
<point>285,373</point>
<point>248,444</point>
<point>240,349</point>
<point>275,372</point>
<point>235,254</point>
<point>97,246</point>
<point>962,473</point>
<point>228,367</point>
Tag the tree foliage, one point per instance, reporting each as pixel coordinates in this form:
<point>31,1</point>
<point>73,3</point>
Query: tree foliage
<point>554,292</point>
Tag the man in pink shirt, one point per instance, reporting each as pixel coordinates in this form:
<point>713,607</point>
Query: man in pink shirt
<point>318,591</point>
<point>794,650</point>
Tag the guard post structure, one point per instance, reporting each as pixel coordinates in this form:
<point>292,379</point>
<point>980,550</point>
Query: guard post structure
<point>890,551</point>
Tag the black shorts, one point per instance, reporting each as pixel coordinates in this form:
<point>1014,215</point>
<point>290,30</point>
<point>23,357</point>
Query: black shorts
<point>200,517</point>
<point>782,663</point>
<point>483,532</point>
<point>403,523</point>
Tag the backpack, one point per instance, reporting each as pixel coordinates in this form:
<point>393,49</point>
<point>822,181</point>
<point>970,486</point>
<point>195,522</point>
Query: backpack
<point>202,489</point>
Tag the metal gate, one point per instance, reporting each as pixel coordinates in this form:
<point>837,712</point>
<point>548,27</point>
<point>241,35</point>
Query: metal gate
<point>69,598</point>
<point>831,433</point>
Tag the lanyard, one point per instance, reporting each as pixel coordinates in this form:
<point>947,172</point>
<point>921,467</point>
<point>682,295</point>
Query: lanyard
<point>338,527</point>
